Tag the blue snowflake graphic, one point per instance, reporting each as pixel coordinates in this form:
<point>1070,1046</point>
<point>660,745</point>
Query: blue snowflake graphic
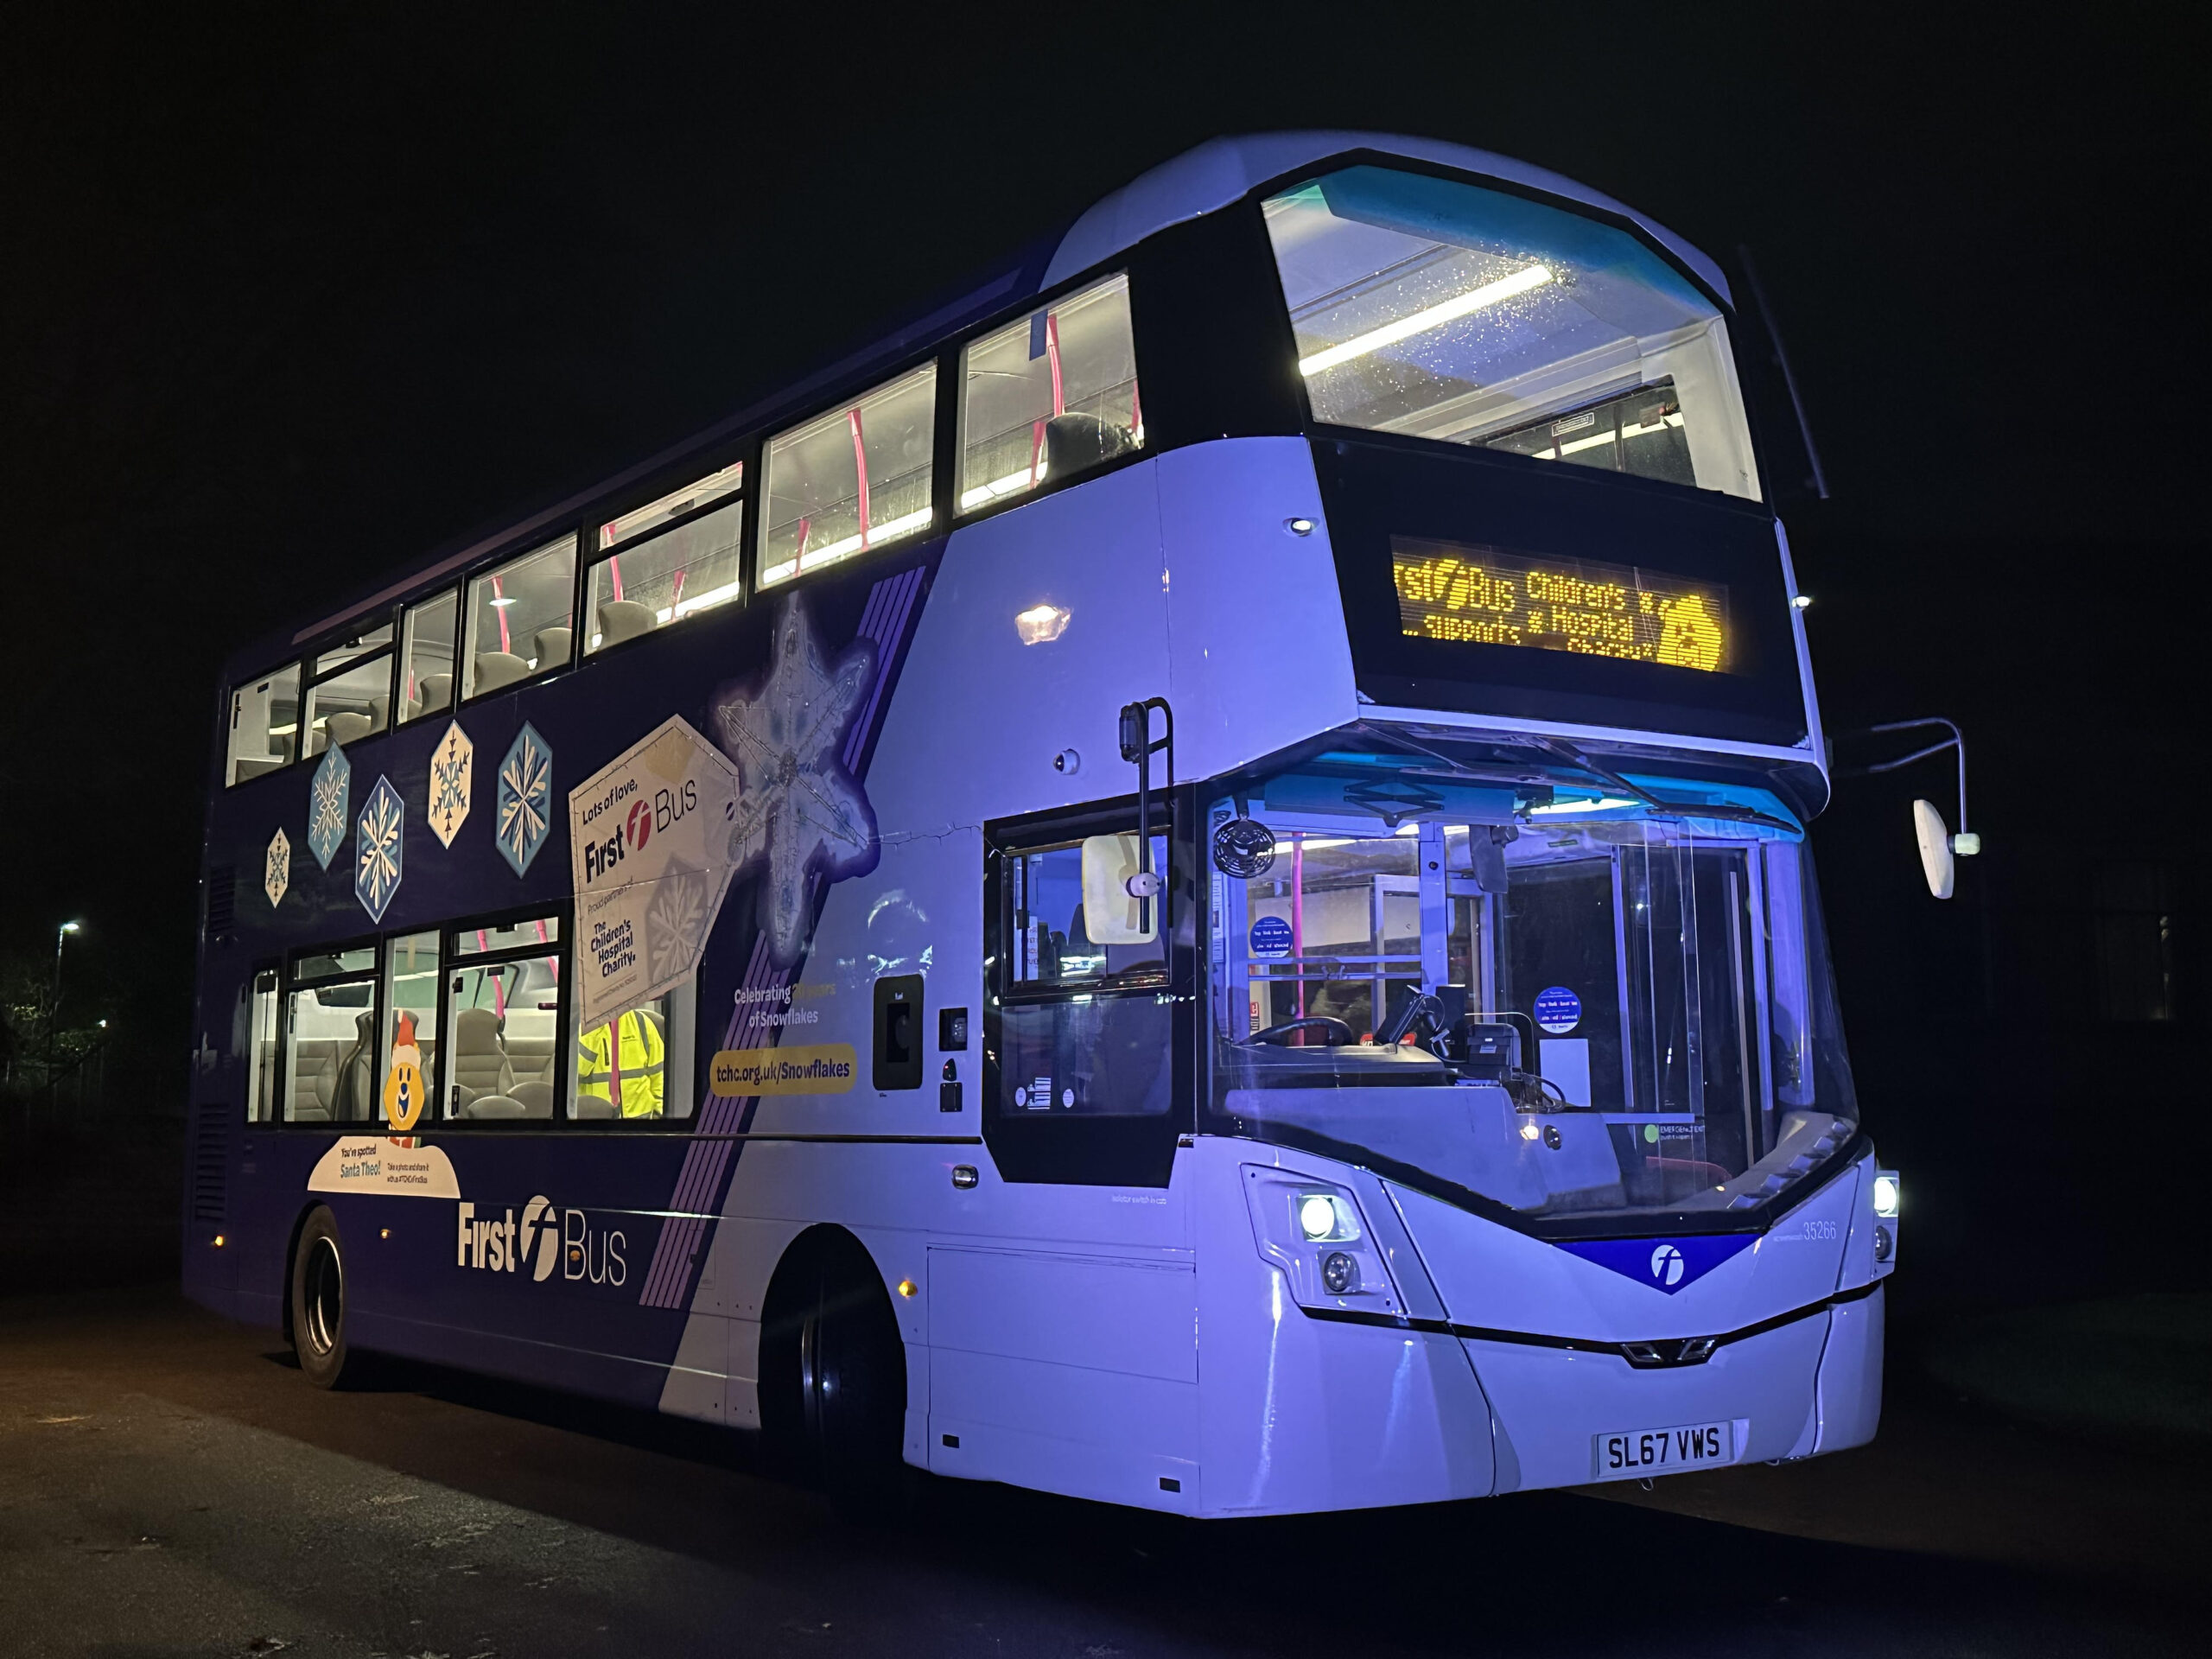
<point>525,799</point>
<point>800,811</point>
<point>378,842</point>
<point>328,794</point>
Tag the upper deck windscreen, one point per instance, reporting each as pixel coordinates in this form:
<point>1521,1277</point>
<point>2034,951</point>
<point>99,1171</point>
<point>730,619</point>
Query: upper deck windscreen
<point>1436,310</point>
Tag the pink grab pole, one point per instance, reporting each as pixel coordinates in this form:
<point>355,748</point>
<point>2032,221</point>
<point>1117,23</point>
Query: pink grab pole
<point>860,466</point>
<point>1298,919</point>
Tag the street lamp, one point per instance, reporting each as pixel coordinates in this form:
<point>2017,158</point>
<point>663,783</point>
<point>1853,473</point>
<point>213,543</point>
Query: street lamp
<point>53,1002</point>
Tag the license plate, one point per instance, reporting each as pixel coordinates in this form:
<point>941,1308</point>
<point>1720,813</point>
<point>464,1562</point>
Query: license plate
<point>1641,1451</point>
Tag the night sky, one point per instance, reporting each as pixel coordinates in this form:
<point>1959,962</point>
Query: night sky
<point>295,294</point>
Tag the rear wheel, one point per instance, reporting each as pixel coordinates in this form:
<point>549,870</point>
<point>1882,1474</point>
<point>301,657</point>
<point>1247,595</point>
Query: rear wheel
<point>835,1382</point>
<point>319,1304</point>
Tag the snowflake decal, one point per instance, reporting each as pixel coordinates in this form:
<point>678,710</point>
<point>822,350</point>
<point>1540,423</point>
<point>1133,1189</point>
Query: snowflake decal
<point>276,872</point>
<point>525,799</point>
<point>674,921</point>
<point>799,811</point>
<point>452,765</point>
<point>328,794</point>
<point>377,849</point>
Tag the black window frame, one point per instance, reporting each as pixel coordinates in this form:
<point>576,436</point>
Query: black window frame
<point>750,455</point>
<point>312,677</point>
<point>955,369</point>
<point>273,967</point>
<point>290,982</point>
<point>452,961</point>
<point>299,668</point>
<point>523,547</point>
<point>859,386</point>
<point>457,591</point>
<point>1080,1149</point>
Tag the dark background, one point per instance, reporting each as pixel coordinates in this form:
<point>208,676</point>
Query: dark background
<point>290,293</point>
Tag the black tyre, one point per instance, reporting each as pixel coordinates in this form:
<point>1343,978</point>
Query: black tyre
<point>834,1378</point>
<point>319,1306</point>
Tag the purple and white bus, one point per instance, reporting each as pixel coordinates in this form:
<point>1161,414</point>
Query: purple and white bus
<point>1185,883</point>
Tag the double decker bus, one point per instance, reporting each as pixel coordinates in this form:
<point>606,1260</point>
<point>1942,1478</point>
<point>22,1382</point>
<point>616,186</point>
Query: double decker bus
<point>1185,883</point>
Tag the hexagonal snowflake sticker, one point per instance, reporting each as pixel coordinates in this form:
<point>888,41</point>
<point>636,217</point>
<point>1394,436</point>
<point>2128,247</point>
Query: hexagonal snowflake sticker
<point>276,872</point>
<point>525,799</point>
<point>378,845</point>
<point>452,763</point>
<point>329,792</point>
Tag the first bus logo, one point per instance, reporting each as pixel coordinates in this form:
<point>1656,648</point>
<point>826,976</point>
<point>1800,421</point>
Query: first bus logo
<point>544,1235</point>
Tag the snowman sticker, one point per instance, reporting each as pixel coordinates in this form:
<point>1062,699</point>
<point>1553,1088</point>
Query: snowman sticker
<point>402,1085</point>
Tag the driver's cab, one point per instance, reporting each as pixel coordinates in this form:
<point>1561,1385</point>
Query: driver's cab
<point>1555,999</point>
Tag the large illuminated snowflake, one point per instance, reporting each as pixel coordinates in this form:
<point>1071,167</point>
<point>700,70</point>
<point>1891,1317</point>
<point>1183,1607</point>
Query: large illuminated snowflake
<point>328,796</point>
<point>525,799</point>
<point>799,811</point>
<point>377,849</point>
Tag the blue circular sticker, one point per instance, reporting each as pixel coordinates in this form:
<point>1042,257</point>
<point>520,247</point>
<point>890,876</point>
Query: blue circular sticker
<point>1558,1010</point>
<point>1271,938</point>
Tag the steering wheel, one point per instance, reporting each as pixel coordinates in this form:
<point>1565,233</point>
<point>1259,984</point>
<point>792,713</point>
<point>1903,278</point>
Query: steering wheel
<point>1336,1031</point>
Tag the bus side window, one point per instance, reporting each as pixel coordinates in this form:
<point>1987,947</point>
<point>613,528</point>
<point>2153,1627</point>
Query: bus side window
<point>1084,1028</point>
<point>261,1048</point>
<point>1049,397</point>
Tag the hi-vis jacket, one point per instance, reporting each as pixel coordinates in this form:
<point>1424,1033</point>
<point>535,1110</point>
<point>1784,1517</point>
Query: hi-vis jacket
<point>635,1072</point>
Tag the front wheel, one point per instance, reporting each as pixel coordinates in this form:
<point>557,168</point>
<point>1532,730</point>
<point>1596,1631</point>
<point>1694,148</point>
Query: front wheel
<point>840,1400</point>
<point>319,1304</point>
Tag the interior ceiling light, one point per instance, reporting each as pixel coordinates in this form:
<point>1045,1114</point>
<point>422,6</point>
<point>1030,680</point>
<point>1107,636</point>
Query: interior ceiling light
<point>1435,316</point>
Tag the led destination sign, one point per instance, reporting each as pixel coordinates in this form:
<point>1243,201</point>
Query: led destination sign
<point>1479,596</point>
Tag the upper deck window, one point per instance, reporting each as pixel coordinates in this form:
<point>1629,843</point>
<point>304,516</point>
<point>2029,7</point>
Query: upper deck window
<point>264,725</point>
<point>518,618</point>
<point>855,479</point>
<point>1049,396</point>
<point>1443,310</point>
<point>662,574</point>
<point>350,696</point>
<point>673,506</point>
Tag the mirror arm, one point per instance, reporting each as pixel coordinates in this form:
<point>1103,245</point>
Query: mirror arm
<point>1137,747</point>
<point>1956,740</point>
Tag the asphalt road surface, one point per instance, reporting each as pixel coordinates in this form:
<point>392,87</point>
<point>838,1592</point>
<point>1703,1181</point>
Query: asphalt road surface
<point>170,1485</point>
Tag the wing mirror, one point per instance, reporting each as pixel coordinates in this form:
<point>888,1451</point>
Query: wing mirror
<point>1117,889</point>
<point>1938,846</point>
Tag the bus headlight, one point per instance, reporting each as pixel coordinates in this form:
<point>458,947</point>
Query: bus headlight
<point>1315,1233</point>
<point>1326,1216</point>
<point>1886,1193</point>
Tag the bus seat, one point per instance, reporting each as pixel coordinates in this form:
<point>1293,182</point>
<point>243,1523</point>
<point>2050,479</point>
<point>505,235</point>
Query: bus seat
<point>593,1106</point>
<point>552,647</point>
<point>536,1099</point>
<point>1073,442</point>
<point>313,1081</point>
<point>346,727</point>
<point>502,1106</point>
<point>624,618</point>
<point>529,1060</point>
<point>437,692</point>
<point>249,766</point>
<point>480,1060</point>
<point>356,1080</point>
<point>497,667</point>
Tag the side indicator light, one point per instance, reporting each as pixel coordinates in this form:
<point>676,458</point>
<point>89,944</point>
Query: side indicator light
<point>218,1240</point>
<point>908,1287</point>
